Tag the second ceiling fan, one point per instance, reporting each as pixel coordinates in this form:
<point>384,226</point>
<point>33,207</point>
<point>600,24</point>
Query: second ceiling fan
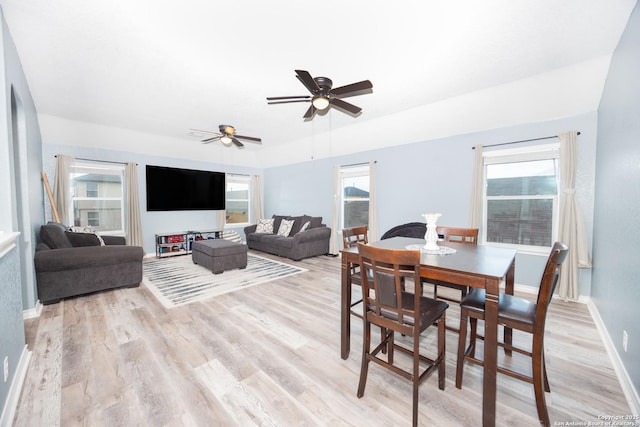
<point>323,95</point>
<point>227,136</point>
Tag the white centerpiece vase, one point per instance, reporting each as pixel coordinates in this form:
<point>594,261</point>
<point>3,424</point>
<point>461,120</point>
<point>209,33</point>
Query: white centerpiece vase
<point>431,236</point>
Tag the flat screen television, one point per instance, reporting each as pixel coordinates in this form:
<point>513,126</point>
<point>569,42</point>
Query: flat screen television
<point>173,189</point>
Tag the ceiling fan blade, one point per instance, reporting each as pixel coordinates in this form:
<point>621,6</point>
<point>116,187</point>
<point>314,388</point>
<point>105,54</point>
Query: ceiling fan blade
<point>238,143</point>
<point>201,131</point>
<point>276,98</point>
<point>208,140</point>
<point>310,112</point>
<point>345,106</point>
<point>248,138</point>
<point>350,90</point>
<point>308,81</point>
<point>286,102</point>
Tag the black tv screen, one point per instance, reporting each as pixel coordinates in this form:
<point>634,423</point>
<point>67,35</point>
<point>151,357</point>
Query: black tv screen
<point>172,189</point>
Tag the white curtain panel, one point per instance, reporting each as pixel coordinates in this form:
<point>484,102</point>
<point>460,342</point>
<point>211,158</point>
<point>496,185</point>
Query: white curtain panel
<point>477,183</point>
<point>62,187</point>
<point>257,207</point>
<point>571,228</point>
<point>134,224</point>
<point>335,221</point>
<point>373,207</point>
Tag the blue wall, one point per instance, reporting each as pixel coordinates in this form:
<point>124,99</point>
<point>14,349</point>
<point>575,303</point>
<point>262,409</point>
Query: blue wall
<point>21,206</point>
<point>152,222</point>
<point>616,271</point>
<point>431,176</point>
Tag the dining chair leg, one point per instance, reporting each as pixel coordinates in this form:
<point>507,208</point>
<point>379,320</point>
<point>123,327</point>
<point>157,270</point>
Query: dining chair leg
<point>364,366</point>
<point>462,343</point>
<point>473,336</point>
<point>416,377</point>
<point>390,344</point>
<point>538,384</point>
<point>442,343</point>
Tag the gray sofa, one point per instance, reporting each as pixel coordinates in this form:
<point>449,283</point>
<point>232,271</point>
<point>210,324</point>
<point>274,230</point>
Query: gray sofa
<point>298,245</point>
<point>68,264</point>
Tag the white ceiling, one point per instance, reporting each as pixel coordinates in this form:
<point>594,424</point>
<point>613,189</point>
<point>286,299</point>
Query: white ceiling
<point>137,74</point>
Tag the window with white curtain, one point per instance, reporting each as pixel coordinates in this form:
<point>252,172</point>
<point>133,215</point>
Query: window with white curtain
<point>520,203</point>
<point>354,181</point>
<point>97,196</point>
<point>238,199</point>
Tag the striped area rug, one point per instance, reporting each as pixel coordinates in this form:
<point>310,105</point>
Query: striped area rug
<point>177,280</point>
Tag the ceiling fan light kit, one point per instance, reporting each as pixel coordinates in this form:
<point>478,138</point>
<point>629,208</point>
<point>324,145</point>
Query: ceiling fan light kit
<point>320,102</point>
<point>323,96</point>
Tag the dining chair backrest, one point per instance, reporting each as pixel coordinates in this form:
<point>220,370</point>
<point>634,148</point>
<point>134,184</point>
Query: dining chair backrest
<point>387,270</point>
<point>458,234</point>
<point>354,235</point>
<point>549,281</point>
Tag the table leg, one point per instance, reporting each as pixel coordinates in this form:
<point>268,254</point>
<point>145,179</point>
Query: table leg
<point>490,354</point>
<point>345,309</point>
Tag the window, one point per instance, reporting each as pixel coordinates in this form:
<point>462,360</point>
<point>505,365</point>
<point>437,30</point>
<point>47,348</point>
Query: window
<point>238,199</point>
<point>354,181</point>
<point>521,197</point>
<point>97,196</point>
<point>93,218</point>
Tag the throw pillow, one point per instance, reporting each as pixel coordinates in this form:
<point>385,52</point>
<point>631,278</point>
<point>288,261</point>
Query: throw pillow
<point>87,230</point>
<point>305,226</point>
<point>285,227</point>
<point>265,226</point>
<point>52,235</point>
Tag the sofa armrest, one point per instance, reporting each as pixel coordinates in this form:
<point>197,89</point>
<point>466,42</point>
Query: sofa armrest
<point>250,229</point>
<point>86,257</point>
<point>312,234</point>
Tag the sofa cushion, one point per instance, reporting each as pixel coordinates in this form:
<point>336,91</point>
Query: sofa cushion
<point>265,226</point>
<point>284,242</point>
<point>298,222</point>
<point>305,226</point>
<point>316,221</point>
<point>285,227</point>
<point>84,239</point>
<point>53,235</point>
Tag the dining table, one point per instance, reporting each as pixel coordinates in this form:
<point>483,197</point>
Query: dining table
<point>482,266</point>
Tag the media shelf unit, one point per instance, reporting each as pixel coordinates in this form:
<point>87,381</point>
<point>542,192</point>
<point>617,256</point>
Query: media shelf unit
<point>179,243</point>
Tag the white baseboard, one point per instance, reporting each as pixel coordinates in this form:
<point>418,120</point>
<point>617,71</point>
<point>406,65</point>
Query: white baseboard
<point>629,390</point>
<point>34,312</point>
<point>6,419</point>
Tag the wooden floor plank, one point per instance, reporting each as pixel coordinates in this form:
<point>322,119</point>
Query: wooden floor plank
<point>270,355</point>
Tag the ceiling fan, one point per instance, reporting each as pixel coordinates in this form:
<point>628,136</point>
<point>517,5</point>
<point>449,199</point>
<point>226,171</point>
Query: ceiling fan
<point>323,96</point>
<point>227,136</point>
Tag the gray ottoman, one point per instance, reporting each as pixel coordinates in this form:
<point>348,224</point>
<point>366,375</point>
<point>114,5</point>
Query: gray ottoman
<point>219,255</point>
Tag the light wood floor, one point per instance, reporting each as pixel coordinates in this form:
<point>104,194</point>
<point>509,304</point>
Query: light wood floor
<point>270,356</point>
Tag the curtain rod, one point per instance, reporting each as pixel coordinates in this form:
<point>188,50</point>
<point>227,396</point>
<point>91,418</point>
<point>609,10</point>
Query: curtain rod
<point>516,142</point>
<point>357,164</point>
<point>99,161</point>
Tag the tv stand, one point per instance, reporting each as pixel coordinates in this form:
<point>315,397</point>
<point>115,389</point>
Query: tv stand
<point>179,242</point>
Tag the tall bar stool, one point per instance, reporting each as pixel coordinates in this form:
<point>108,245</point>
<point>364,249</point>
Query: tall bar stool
<point>520,314</point>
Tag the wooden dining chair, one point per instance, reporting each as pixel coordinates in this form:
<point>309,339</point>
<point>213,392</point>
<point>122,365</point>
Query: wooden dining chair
<point>350,238</point>
<point>519,314</point>
<point>391,308</point>
<point>467,236</point>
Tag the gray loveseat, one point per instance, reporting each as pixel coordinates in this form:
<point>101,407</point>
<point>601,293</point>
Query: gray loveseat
<point>69,264</point>
<point>312,241</point>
